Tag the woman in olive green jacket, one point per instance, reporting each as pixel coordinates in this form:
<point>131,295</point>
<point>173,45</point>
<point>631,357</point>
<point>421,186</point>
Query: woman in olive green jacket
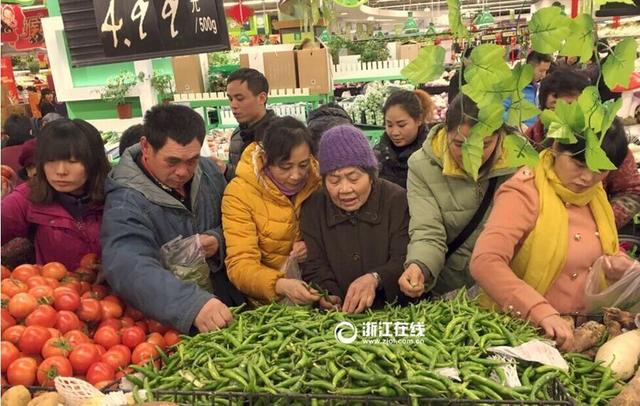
<point>443,199</point>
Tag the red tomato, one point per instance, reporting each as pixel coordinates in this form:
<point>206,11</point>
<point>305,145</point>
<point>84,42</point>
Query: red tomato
<point>76,337</point>
<point>65,298</point>
<point>101,349</point>
<point>123,372</point>
<point>132,336</point>
<point>37,280</point>
<point>171,337</point>
<point>116,359</point>
<point>134,313</point>
<point>54,270</point>
<point>7,320</point>
<point>114,323</point>
<point>22,371</point>
<point>55,333</point>
<point>157,339</point>
<point>42,293</point>
<point>110,309</point>
<point>124,350</point>
<point>144,353</point>
<point>85,274</point>
<point>82,356</point>
<point>4,301</point>
<point>24,272</point>
<point>56,346</point>
<point>156,327</point>
<point>84,287</point>
<point>107,337</point>
<point>12,287</point>
<point>21,304</point>
<point>89,261</point>
<point>89,310</point>
<point>54,283</point>
<point>43,315</point>
<point>99,291</point>
<point>71,282</point>
<point>33,339</point>
<point>99,372</point>
<point>143,325</point>
<point>6,273</point>
<point>114,299</point>
<point>13,334</point>
<point>127,321</point>
<point>8,353</point>
<point>52,367</point>
<point>67,321</point>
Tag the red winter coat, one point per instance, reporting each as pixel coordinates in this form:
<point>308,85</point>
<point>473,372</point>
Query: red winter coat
<point>57,236</point>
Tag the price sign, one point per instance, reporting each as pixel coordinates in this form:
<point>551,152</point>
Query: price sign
<point>107,31</point>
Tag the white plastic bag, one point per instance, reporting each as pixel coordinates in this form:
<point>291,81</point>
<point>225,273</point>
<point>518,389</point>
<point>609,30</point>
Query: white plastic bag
<point>623,294</point>
<point>185,258</point>
<point>291,270</point>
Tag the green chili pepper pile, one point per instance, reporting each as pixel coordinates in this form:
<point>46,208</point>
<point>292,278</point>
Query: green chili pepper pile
<point>286,349</point>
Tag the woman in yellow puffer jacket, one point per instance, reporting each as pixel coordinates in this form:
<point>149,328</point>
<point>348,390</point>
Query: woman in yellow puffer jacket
<point>260,213</point>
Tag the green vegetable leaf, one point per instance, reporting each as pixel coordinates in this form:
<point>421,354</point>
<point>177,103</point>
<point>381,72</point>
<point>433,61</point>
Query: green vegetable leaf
<point>580,40</point>
<point>521,110</point>
<point>455,19</point>
<point>619,65</point>
<point>428,65</point>
<point>548,29</point>
<point>487,66</point>
<point>519,151</point>
<point>489,120</point>
<point>595,156</point>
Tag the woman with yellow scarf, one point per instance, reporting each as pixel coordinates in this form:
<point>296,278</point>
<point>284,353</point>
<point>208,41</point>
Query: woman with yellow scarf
<point>547,227</point>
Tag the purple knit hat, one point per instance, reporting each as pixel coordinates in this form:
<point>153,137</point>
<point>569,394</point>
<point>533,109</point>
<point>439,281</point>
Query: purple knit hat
<point>343,146</point>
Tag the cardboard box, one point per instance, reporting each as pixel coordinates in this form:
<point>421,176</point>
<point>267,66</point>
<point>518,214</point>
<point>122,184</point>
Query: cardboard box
<point>314,70</point>
<point>409,51</point>
<point>188,74</point>
<point>280,69</point>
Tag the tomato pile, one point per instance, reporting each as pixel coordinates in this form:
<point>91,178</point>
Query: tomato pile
<point>61,323</point>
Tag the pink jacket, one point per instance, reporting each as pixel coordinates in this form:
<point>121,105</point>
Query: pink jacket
<point>57,236</point>
<point>503,235</point>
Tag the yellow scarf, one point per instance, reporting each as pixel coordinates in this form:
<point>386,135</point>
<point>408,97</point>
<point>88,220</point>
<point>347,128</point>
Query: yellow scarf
<point>544,252</point>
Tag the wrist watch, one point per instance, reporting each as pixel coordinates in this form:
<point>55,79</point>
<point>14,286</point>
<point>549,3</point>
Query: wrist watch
<point>377,276</point>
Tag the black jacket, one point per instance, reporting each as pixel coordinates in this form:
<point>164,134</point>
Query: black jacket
<point>393,161</point>
<point>241,138</point>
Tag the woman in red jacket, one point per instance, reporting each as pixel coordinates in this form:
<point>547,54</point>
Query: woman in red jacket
<point>60,209</point>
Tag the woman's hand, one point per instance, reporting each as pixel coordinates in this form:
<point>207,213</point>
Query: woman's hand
<point>360,294</point>
<point>297,291</point>
<point>299,251</point>
<point>557,328</point>
<point>412,281</point>
<point>616,266</point>
<point>330,302</point>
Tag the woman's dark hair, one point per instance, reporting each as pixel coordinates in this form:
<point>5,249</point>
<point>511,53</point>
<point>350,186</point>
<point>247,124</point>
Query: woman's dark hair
<point>65,139</point>
<point>417,104</point>
<point>281,136</point>
<point>462,110</point>
<point>614,144</point>
<point>19,129</point>
<point>44,92</point>
<point>563,81</point>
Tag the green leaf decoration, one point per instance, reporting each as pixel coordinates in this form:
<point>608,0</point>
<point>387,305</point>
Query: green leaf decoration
<point>611,109</point>
<point>523,75</point>
<point>521,110</point>
<point>487,66</point>
<point>428,65</point>
<point>548,29</point>
<point>484,94</point>
<point>571,114</point>
<point>595,156</point>
<point>556,128</point>
<point>489,120</point>
<point>519,151</point>
<point>581,39</point>
<point>589,102</point>
<point>619,65</point>
<point>455,19</point>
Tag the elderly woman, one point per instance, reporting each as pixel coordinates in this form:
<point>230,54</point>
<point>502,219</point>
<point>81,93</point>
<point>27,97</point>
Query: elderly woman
<point>355,227</point>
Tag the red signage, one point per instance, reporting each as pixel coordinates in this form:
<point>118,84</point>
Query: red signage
<point>22,29</point>
<point>8,80</point>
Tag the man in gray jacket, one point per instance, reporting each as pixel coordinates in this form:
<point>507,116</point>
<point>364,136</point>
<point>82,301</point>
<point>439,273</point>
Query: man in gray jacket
<point>160,190</point>
<point>247,90</point>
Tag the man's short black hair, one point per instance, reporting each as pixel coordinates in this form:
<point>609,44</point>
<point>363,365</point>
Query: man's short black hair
<point>18,128</point>
<point>256,82</point>
<point>535,58</point>
<point>564,81</point>
<point>180,123</point>
<point>130,136</point>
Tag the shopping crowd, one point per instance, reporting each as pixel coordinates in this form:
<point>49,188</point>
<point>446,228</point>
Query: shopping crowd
<point>314,215</point>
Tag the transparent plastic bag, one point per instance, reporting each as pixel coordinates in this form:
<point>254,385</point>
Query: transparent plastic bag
<point>623,294</point>
<point>291,270</point>
<point>185,258</point>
